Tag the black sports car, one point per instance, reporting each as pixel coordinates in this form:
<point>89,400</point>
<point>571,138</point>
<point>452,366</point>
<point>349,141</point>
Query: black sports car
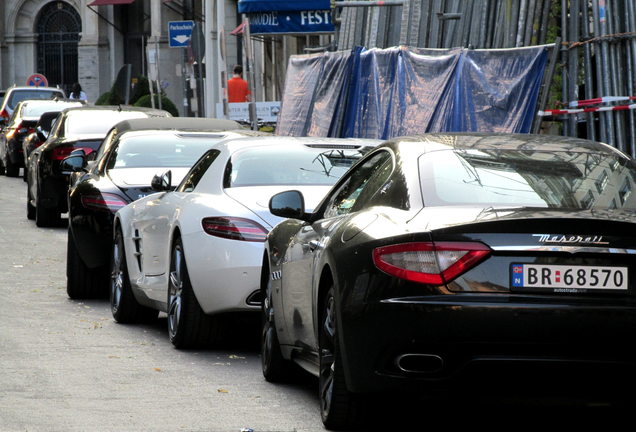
<point>133,152</point>
<point>76,128</point>
<point>447,258</point>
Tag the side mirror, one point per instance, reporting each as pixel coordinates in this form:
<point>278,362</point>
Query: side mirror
<point>163,182</point>
<point>76,162</point>
<point>288,204</point>
<point>41,133</point>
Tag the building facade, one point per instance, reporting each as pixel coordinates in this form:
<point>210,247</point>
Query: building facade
<point>88,41</point>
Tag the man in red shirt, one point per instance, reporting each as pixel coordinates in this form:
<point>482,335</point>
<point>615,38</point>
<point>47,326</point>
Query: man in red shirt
<point>237,90</point>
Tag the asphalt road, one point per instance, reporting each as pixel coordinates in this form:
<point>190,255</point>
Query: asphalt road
<point>65,365</point>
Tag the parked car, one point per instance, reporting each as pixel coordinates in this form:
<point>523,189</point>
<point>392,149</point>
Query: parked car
<point>39,135</point>
<point>452,256</point>
<point>20,125</point>
<point>131,154</point>
<point>13,95</point>
<point>76,128</point>
<point>195,253</point>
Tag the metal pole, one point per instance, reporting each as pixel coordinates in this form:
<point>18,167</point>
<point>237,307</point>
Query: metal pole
<point>249,57</point>
<point>587,71</point>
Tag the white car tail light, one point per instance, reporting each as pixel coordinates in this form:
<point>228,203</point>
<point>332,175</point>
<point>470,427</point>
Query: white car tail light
<point>234,228</point>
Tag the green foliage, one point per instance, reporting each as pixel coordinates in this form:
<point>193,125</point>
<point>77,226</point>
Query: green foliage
<point>103,99</point>
<point>166,104</point>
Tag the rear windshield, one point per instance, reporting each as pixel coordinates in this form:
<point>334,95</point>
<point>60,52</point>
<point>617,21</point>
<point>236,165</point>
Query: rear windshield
<point>288,165</point>
<point>35,110</point>
<point>568,180</point>
<point>17,96</point>
<point>96,122</point>
<point>169,150</point>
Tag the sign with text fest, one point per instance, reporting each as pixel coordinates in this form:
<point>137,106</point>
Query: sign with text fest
<point>288,17</point>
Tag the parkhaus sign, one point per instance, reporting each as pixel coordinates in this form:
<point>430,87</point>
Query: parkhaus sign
<point>287,17</point>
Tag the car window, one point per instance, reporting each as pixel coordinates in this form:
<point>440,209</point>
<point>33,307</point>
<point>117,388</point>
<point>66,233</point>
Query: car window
<point>360,185</point>
<point>568,180</point>
<point>166,150</point>
<point>288,165</point>
<point>191,180</point>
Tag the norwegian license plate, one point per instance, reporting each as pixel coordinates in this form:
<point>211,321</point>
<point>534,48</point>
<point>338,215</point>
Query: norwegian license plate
<point>568,278</point>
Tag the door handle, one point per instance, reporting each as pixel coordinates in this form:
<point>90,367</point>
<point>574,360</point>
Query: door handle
<point>314,244</point>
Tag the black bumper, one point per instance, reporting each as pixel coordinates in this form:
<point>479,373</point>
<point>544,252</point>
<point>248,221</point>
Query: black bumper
<point>448,341</point>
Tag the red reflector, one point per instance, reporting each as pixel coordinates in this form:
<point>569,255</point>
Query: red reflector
<point>104,202</point>
<point>234,228</point>
<point>429,262</point>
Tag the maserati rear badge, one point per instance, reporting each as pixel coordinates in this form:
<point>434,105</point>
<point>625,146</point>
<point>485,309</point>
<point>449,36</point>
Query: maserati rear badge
<point>570,239</point>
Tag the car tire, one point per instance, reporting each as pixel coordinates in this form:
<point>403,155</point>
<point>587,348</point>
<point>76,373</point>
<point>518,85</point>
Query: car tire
<point>275,367</point>
<point>46,217</point>
<point>2,170</point>
<point>123,305</point>
<point>81,281</point>
<point>30,208</point>
<point>188,325</point>
<point>339,408</point>
<point>11,170</point>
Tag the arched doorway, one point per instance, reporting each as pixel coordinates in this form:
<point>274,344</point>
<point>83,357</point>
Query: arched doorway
<point>58,27</point>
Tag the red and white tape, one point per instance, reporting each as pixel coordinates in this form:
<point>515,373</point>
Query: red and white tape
<point>596,101</point>
<point>555,112</point>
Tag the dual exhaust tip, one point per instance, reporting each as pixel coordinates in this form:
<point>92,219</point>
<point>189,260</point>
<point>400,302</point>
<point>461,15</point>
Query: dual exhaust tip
<point>414,363</point>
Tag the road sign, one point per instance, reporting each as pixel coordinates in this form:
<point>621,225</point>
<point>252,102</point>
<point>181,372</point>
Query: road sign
<point>37,80</point>
<point>180,33</point>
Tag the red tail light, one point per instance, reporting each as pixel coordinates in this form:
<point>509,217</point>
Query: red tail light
<point>61,152</point>
<point>104,202</point>
<point>428,262</point>
<point>234,228</point>
<point>4,114</point>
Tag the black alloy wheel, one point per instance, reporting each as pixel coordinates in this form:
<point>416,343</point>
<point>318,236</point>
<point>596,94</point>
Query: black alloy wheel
<point>339,408</point>
<point>123,305</point>
<point>188,325</point>
<point>275,367</point>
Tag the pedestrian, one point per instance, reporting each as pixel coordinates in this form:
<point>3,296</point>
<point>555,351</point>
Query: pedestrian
<point>237,90</point>
<point>77,93</point>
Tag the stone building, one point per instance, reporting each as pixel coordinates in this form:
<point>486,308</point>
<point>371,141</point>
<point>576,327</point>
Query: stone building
<point>88,41</point>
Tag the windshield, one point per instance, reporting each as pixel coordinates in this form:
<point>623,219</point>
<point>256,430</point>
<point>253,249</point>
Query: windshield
<point>568,180</point>
<point>287,165</point>
<point>166,150</point>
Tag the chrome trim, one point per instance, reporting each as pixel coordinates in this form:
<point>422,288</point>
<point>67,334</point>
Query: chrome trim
<point>569,249</point>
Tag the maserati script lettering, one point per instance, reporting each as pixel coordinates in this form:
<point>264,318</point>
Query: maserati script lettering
<point>570,239</point>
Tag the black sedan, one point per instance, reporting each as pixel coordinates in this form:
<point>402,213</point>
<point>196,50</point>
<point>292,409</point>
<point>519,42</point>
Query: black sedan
<point>76,128</point>
<point>20,125</point>
<point>448,259</point>
<point>133,152</point>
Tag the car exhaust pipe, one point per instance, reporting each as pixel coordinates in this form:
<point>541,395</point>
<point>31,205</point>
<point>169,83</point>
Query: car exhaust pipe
<point>419,363</point>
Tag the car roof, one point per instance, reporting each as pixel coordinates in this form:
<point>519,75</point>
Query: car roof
<point>490,141</point>
<point>33,88</point>
<point>192,124</point>
<point>235,144</point>
<point>151,111</point>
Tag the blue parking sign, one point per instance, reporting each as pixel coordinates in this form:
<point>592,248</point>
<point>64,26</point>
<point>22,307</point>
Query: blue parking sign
<point>180,33</point>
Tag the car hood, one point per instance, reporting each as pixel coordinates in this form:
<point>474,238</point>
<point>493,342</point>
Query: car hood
<point>256,198</point>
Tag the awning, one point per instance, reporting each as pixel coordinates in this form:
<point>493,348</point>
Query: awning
<point>250,6</point>
<point>110,2</point>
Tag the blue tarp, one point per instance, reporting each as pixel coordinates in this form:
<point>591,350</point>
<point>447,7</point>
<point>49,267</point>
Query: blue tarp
<point>383,93</point>
<point>250,6</point>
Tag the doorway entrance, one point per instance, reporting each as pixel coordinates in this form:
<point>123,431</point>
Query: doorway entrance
<point>58,27</point>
